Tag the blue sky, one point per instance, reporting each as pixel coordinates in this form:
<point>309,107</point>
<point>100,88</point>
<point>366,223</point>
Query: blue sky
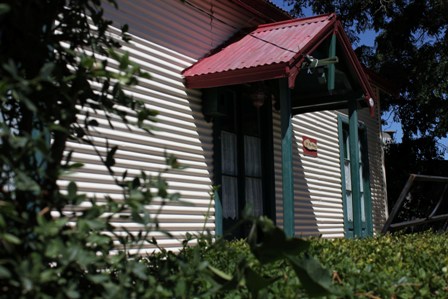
<point>368,38</point>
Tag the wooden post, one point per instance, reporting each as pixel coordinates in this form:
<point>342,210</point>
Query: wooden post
<point>354,166</point>
<point>287,173</point>
<point>218,213</point>
<point>331,67</point>
<point>212,95</point>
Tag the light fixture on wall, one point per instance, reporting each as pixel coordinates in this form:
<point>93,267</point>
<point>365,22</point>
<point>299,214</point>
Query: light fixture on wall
<point>258,94</point>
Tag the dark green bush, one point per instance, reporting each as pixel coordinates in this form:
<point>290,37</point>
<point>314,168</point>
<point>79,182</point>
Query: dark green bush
<point>404,266</point>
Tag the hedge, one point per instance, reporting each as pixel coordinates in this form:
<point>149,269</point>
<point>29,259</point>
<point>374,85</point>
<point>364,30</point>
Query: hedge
<point>402,266</point>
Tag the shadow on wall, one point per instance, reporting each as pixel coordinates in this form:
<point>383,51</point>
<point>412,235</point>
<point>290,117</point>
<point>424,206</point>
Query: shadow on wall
<point>305,220</point>
<point>201,160</point>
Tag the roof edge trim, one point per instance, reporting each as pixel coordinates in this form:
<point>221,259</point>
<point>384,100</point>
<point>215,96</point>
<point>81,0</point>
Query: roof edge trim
<point>267,72</point>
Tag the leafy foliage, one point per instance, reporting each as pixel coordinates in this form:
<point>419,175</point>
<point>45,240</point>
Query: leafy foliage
<point>399,266</point>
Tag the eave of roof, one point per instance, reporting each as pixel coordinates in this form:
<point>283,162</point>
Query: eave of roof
<point>272,51</point>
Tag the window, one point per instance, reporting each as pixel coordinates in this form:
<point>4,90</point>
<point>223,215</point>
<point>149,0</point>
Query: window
<point>243,157</point>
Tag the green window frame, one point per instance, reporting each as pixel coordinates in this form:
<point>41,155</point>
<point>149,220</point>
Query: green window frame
<point>224,106</point>
<point>350,213</point>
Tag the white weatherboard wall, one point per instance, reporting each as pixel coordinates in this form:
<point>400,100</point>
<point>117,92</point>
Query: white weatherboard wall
<point>318,207</point>
<point>168,36</point>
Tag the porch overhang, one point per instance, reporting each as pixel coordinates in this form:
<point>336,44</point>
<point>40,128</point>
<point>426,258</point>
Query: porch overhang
<point>282,50</point>
<point>316,69</point>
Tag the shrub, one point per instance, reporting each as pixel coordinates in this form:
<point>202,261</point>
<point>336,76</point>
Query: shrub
<point>390,266</point>
<point>401,266</point>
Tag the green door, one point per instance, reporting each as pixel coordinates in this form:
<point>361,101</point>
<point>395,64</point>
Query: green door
<point>365,212</point>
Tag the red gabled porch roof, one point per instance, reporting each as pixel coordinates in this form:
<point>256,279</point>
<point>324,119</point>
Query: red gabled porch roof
<point>272,51</point>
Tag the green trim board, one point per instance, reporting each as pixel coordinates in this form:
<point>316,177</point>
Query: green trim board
<point>331,67</point>
<point>365,228</point>
<point>354,168</point>
<point>287,164</point>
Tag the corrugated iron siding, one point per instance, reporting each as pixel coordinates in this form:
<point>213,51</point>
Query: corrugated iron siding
<point>317,180</point>
<point>168,36</point>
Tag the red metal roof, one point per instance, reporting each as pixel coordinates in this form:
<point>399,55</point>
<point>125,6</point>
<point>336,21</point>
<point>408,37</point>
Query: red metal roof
<point>271,51</point>
<point>271,47</point>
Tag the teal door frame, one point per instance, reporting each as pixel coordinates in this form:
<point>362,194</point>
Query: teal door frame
<point>355,138</point>
<point>287,164</point>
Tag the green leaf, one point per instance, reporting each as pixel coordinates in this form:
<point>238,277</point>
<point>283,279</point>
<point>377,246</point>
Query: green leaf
<point>139,270</point>
<point>25,183</point>
<point>11,239</point>
<point>136,217</point>
<point>136,195</point>
<point>96,224</point>
<point>315,279</point>
<point>98,239</point>
<point>47,276</point>
<point>2,221</point>
<point>269,243</point>
<point>256,282</point>
<point>219,276</point>
<point>73,166</point>
<point>4,273</point>
<point>98,278</point>
<point>4,8</point>
<point>72,293</point>
<point>181,287</point>
<point>72,190</point>
<point>46,70</point>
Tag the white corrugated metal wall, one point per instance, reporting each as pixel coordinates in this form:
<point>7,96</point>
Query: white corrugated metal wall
<point>168,36</point>
<point>317,180</point>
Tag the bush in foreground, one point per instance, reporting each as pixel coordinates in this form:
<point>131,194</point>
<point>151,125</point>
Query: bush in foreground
<point>403,266</point>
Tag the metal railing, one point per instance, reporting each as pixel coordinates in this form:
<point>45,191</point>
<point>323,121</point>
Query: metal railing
<point>434,214</point>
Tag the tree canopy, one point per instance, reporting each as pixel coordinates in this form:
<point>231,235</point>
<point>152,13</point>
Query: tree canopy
<point>411,52</point>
